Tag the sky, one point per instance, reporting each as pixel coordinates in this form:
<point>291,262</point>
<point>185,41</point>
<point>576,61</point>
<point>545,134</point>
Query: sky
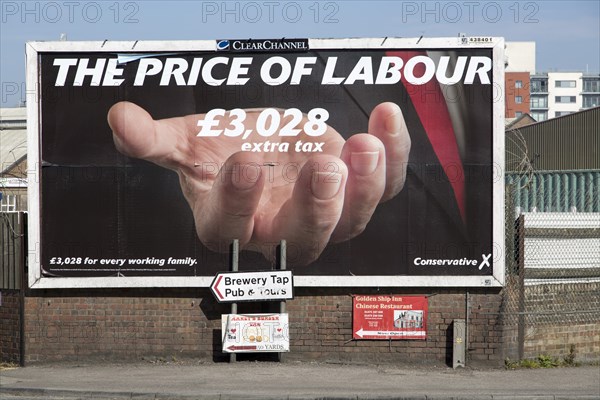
<point>567,33</point>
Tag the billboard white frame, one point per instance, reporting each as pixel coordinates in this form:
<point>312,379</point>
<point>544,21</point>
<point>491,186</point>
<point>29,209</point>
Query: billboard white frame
<point>37,281</point>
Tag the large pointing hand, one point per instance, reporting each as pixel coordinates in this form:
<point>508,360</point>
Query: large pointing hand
<point>261,198</point>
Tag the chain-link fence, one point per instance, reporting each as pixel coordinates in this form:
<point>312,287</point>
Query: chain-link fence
<point>551,303</point>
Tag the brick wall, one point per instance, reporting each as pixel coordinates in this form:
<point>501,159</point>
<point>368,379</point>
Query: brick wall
<point>10,326</point>
<point>556,341</point>
<point>561,315</point>
<point>135,324</point>
<point>512,91</point>
<point>176,324</point>
<point>120,327</point>
<point>321,329</point>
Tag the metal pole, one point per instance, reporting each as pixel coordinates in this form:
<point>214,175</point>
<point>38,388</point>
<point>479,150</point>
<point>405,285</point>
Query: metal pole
<point>22,285</point>
<point>467,311</point>
<point>521,266</point>
<point>235,257</point>
<point>282,266</point>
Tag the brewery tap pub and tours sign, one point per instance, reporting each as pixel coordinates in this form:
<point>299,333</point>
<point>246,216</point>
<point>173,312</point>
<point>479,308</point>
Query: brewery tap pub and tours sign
<point>230,287</point>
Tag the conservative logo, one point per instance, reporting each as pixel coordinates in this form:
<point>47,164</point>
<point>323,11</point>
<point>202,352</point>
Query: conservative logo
<point>263,45</point>
<point>485,262</point>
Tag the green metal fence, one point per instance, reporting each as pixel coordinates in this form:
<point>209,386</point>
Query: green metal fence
<point>555,191</point>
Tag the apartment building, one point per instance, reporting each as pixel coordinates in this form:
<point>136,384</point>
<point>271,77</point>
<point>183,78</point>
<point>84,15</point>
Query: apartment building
<point>545,95</point>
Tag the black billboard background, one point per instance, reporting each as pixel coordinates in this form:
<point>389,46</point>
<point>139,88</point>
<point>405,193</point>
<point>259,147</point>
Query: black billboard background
<point>98,203</point>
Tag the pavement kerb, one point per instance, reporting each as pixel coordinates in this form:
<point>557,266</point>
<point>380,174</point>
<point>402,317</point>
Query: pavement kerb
<point>105,395</point>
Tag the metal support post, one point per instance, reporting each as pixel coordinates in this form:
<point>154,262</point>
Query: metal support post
<point>282,266</point>
<point>235,257</point>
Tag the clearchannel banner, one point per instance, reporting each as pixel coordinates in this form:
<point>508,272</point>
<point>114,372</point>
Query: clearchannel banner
<point>262,45</point>
<point>375,164</point>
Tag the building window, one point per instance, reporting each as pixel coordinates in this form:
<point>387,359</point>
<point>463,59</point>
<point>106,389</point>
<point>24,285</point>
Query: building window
<point>8,203</point>
<point>539,115</point>
<point>539,86</point>
<point>538,102</point>
<point>592,86</point>
<point>518,100</point>
<point>564,99</point>
<point>591,101</point>
<point>561,113</point>
<point>565,84</point>
<point>518,114</point>
<point>518,84</point>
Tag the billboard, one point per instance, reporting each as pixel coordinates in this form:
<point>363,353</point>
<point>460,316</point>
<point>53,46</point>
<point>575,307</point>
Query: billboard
<point>379,161</point>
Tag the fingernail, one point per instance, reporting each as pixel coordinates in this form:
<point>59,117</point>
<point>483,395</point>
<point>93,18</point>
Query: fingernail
<point>245,176</point>
<point>393,122</point>
<point>364,163</point>
<point>325,185</point>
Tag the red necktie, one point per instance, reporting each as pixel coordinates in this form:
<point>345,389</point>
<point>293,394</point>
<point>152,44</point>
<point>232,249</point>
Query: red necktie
<point>430,105</point>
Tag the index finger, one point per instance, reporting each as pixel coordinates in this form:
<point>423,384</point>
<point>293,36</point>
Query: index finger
<point>387,123</point>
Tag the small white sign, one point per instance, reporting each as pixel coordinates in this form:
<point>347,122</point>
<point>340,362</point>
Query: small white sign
<point>13,182</point>
<point>253,286</point>
<point>255,333</point>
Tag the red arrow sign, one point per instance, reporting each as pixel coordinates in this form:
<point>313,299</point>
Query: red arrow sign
<point>240,348</point>
<point>215,288</point>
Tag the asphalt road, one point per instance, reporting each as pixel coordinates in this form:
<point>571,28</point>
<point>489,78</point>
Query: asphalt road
<point>270,380</point>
